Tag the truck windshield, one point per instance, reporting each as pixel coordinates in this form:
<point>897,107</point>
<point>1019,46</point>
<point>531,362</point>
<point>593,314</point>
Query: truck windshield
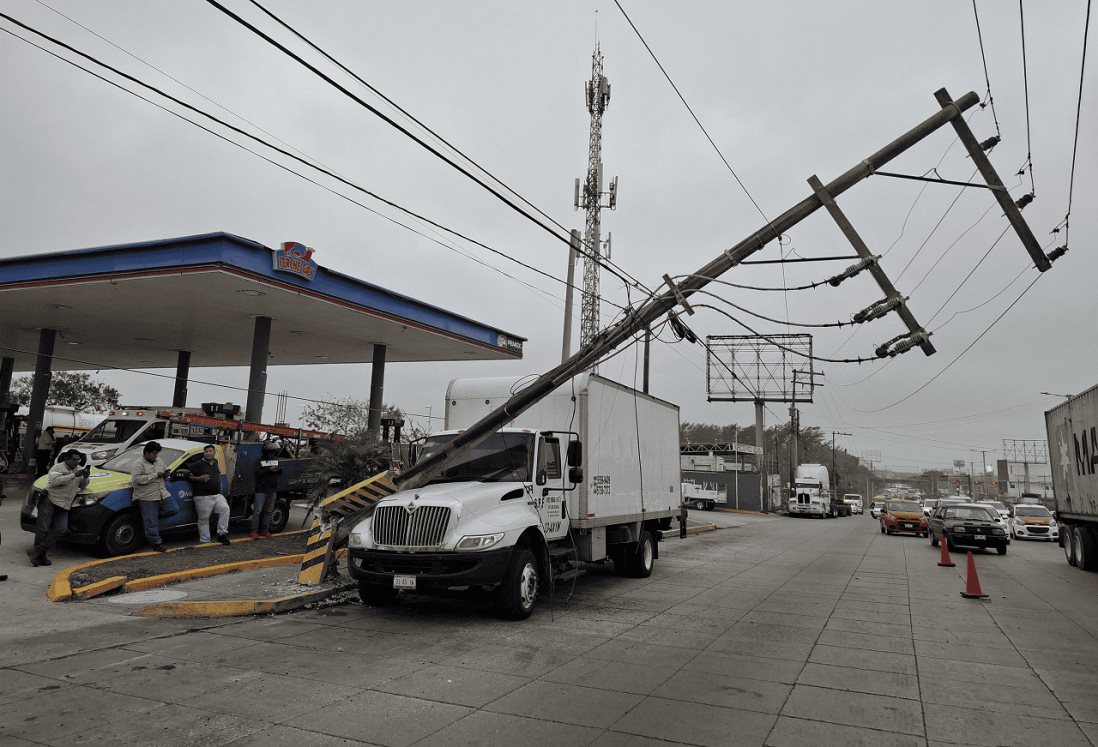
<point>114,431</point>
<point>502,457</point>
<point>124,462</point>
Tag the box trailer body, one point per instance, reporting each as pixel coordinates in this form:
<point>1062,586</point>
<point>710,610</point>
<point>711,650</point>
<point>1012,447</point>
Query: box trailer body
<point>589,473</point>
<point>1072,429</point>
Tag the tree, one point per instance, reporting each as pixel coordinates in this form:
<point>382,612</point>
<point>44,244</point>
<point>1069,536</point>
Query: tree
<point>346,415</point>
<point>351,459</point>
<point>70,389</point>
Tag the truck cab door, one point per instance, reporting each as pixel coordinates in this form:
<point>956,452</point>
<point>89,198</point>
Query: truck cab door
<point>549,493</point>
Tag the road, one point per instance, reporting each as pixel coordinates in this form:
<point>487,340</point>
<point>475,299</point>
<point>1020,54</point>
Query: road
<point>769,630</point>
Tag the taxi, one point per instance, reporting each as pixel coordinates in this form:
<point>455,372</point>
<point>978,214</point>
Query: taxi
<point>903,516</point>
<point>1034,522</point>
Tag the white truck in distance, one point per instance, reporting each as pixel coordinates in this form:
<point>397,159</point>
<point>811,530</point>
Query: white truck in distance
<point>703,498</point>
<point>1072,429</point>
<point>590,473</point>
<point>811,491</point>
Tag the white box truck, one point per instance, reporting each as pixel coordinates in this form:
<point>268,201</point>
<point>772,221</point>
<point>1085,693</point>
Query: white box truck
<point>589,473</point>
<point>1072,429</point>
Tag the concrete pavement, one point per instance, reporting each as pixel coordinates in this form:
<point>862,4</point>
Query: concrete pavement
<point>771,631</point>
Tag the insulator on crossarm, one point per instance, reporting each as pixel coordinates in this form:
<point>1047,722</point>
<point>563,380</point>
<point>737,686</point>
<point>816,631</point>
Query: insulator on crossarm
<point>990,143</point>
<point>1024,200</point>
<point>882,349</point>
<point>1056,253</point>
<point>913,340</point>
<point>879,309</point>
<point>853,270</point>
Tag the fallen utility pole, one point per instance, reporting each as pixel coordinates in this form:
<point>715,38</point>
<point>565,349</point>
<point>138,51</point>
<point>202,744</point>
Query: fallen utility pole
<point>636,320</point>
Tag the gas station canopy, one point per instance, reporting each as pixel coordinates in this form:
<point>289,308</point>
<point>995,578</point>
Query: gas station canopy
<point>138,305</point>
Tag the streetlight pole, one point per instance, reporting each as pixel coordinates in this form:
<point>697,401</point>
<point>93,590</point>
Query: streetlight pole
<point>833,474</point>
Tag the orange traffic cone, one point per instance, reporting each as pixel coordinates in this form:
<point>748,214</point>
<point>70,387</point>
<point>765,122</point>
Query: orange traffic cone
<point>946,561</point>
<point>972,583</point>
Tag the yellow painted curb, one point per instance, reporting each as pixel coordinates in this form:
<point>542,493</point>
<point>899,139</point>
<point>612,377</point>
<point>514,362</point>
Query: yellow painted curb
<point>151,582</point>
<point>239,607</point>
<point>99,587</point>
<point>60,587</point>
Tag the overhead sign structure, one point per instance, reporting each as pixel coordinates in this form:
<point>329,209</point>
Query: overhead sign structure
<point>754,368</point>
<point>295,259</point>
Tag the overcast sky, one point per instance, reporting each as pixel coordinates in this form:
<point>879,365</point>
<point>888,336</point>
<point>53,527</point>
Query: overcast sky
<point>785,89</point>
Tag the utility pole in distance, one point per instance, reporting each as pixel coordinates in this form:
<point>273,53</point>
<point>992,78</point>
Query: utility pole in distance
<point>834,475</point>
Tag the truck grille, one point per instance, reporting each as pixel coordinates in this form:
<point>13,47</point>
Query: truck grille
<point>394,526</point>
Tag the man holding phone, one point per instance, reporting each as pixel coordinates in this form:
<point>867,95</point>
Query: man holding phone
<point>148,491</point>
<point>66,479</point>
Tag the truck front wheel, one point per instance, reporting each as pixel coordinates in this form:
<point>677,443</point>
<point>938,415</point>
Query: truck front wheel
<point>1066,536</point>
<point>280,515</point>
<point>376,595</point>
<point>519,591</point>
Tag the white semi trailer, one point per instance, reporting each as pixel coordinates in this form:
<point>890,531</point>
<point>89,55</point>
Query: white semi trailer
<point>589,473</point>
<point>1072,429</point>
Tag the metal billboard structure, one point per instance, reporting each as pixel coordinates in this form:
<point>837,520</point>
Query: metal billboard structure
<point>754,368</point>
<point>1030,451</point>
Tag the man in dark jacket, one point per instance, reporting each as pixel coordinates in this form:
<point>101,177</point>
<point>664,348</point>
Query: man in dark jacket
<point>206,484</point>
<point>266,484</point>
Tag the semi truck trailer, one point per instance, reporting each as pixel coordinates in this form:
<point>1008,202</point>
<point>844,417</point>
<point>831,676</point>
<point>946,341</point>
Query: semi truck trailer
<point>1072,430</point>
<point>588,474</point>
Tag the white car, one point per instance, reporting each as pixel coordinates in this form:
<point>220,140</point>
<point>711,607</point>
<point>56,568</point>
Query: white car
<point>1034,522</point>
<point>875,509</point>
<point>1003,513</point>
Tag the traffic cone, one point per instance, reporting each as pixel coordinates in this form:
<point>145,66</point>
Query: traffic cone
<point>972,583</point>
<point>946,561</point>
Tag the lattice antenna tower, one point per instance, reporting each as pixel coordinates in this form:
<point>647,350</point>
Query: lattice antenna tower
<point>589,196</point>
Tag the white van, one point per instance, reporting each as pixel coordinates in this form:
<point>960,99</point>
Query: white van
<point>120,430</point>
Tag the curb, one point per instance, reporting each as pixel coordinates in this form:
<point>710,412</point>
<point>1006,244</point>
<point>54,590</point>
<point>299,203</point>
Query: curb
<point>241,607</point>
<point>61,589</point>
<point>700,529</point>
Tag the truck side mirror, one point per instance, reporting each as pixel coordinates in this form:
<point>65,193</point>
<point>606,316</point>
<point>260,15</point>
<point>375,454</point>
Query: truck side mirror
<point>575,475</point>
<point>575,456</point>
<point>542,477</point>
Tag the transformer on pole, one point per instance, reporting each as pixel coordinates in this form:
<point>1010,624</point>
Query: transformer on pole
<point>589,196</point>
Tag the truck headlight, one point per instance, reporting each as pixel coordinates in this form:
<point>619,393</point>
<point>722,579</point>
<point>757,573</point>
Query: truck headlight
<point>479,541</point>
<point>104,454</point>
<point>355,541</point>
<point>90,499</point>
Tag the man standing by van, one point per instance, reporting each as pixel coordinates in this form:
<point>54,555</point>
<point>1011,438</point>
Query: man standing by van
<point>206,483</point>
<point>148,491</point>
<point>65,480</point>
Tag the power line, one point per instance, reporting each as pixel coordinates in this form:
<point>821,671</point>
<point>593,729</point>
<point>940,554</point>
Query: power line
<point>740,286</point>
<point>779,345</point>
<point>985,303</point>
<point>1078,112</point>
<point>565,238</point>
<point>987,79</point>
<point>959,355</point>
<point>787,323</point>
<point>1025,81</point>
<point>265,143</point>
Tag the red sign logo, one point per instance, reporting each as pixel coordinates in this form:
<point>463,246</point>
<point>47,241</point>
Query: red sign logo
<point>296,259</point>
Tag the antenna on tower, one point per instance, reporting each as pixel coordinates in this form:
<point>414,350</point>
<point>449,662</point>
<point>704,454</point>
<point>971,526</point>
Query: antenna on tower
<point>590,193</point>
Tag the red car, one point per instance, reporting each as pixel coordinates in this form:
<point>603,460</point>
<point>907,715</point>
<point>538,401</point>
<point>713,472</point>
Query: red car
<point>903,516</point>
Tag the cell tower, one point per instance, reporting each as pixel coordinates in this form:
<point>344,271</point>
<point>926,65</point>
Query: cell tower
<point>589,196</point>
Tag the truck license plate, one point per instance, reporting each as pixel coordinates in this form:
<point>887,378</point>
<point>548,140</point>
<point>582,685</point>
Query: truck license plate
<point>978,536</point>
<point>404,582</point>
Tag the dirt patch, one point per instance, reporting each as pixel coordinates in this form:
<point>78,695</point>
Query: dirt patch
<point>186,558</point>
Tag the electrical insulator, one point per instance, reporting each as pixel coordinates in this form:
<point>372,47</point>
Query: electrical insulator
<point>576,199</point>
<point>853,270</point>
<point>882,349</point>
<point>1056,253</point>
<point>990,143</point>
<point>913,340</point>
<point>879,309</point>
<point>1024,200</point>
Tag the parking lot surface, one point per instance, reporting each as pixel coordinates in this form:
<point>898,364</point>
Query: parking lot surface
<point>770,631</point>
